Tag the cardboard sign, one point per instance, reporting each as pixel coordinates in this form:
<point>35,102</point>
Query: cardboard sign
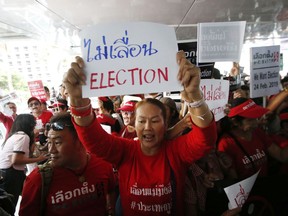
<point>7,98</point>
<point>238,193</point>
<point>129,58</point>
<point>216,94</point>
<point>264,75</point>
<point>220,41</point>
<point>37,89</point>
<point>190,49</point>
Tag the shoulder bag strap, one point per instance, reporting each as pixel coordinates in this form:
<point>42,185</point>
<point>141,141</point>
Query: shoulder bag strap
<point>243,150</point>
<point>46,172</point>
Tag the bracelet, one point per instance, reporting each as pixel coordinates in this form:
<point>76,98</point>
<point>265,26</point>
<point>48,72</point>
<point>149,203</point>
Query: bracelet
<point>80,113</point>
<point>201,116</point>
<point>196,104</point>
<point>81,107</point>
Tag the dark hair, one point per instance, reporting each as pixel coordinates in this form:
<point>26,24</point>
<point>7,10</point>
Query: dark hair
<point>63,101</point>
<point>108,105</point>
<point>155,102</point>
<point>25,123</point>
<point>216,74</point>
<point>237,101</point>
<point>171,104</point>
<point>65,118</point>
<point>46,89</point>
<point>245,87</point>
<point>285,79</point>
<point>226,123</point>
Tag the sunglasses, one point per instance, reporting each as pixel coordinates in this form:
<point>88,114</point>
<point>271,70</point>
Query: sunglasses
<point>55,109</point>
<point>56,126</point>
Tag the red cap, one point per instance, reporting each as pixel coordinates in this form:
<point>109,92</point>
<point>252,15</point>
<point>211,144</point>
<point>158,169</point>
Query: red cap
<point>32,99</point>
<point>104,99</point>
<point>128,106</point>
<point>248,109</point>
<point>283,116</point>
<point>43,101</point>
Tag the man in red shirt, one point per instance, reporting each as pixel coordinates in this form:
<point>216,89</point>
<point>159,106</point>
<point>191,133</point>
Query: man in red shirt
<point>127,111</point>
<point>82,183</point>
<point>42,117</point>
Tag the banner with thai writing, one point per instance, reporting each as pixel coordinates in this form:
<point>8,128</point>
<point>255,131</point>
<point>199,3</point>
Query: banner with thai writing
<point>238,193</point>
<point>129,58</point>
<point>216,94</point>
<point>264,72</point>
<point>220,41</point>
<point>37,89</point>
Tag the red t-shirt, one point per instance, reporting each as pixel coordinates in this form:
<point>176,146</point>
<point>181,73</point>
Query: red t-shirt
<point>145,182</point>
<point>126,134</point>
<point>256,149</point>
<point>282,142</point>
<point>67,195</point>
<point>44,117</point>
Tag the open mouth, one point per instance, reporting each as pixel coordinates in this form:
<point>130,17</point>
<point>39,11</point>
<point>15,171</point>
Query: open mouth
<point>148,137</point>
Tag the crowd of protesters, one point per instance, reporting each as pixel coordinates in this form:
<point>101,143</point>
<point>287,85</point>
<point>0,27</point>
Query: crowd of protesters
<point>146,155</point>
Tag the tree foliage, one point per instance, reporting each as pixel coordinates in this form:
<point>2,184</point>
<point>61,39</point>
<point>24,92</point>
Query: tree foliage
<point>19,82</point>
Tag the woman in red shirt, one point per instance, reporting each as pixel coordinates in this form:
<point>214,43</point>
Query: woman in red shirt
<point>151,170</point>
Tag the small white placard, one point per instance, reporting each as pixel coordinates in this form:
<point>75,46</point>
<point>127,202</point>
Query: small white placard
<point>239,192</point>
<point>220,41</point>
<point>216,93</point>
<point>129,58</point>
<point>265,67</point>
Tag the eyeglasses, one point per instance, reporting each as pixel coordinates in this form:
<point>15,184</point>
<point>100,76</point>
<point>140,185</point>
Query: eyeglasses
<point>35,104</point>
<point>56,126</point>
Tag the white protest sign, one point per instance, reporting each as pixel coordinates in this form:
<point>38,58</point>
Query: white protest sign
<point>129,58</point>
<point>239,192</point>
<point>216,94</point>
<point>264,73</point>
<point>7,98</point>
<point>220,41</point>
